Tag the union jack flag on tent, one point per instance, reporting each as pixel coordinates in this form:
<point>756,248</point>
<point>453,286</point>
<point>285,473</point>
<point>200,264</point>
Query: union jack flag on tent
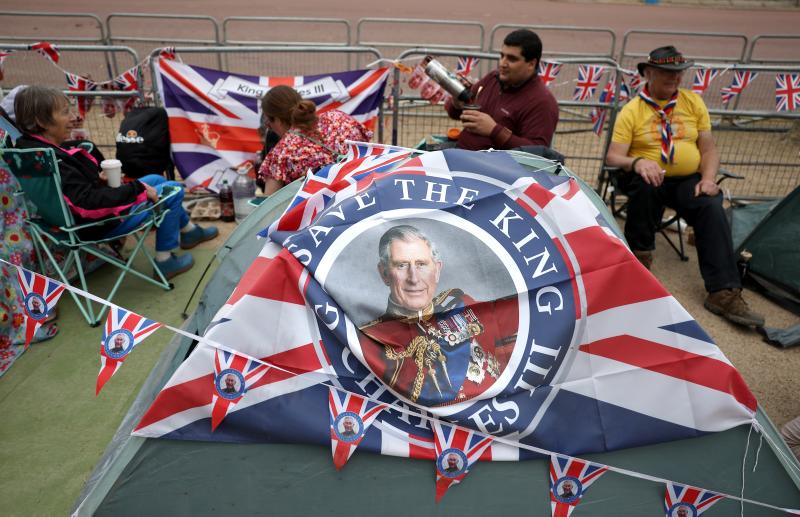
<point>457,450</point>
<point>741,79</point>
<point>40,296</point>
<point>530,335</point>
<point>76,83</point>
<point>351,416</point>
<point>687,501</point>
<point>787,92</point>
<point>548,70</point>
<point>123,331</point>
<point>589,77</point>
<point>233,376</point>
<point>214,115</point>
<point>569,480</point>
<point>702,79</point>
<point>465,65</point>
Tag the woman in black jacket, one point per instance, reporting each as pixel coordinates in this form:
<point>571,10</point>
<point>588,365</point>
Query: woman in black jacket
<point>44,115</point>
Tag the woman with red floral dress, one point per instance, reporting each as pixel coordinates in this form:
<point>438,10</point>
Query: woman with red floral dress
<point>309,139</point>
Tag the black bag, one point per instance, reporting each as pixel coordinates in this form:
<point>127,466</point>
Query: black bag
<point>143,143</point>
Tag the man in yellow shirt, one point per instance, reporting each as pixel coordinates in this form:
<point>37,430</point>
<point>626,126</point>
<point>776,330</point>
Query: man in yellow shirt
<point>663,139</point>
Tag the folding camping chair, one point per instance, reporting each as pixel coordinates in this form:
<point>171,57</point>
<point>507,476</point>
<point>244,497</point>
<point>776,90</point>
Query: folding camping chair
<point>49,218</point>
<point>610,188</point>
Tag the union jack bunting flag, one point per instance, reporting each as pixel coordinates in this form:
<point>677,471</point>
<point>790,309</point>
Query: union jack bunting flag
<point>46,49</point>
<point>787,92</point>
<point>702,79</point>
<point>233,376</point>
<point>76,83</point>
<point>548,70</point>
<point>598,115</point>
<point>123,331</point>
<point>537,324</point>
<point>127,81</point>
<point>687,501</point>
<point>631,84</point>
<point>3,55</point>
<point>466,65</point>
<point>167,53</point>
<point>351,416</point>
<point>569,480</point>
<point>456,451</point>
<point>214,115</point>
<point>589,77</point>
<point>741,79</point>
<point>40,296</point>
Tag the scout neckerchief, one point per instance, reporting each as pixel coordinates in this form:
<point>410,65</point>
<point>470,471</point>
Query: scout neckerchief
<point>336,156</point>
<point>667,145</point>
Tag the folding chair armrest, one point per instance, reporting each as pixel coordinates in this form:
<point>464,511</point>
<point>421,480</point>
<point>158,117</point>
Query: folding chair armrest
<point>155,207</point>
<point>725,174</point>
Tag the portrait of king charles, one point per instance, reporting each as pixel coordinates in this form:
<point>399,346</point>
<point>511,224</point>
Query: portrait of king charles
<point>434,348</point>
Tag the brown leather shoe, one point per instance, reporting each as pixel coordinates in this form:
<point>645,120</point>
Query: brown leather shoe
<point>645,257</point>
<point>729,304</point>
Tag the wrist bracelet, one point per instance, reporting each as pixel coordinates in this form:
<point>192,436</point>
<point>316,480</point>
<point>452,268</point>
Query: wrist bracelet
<point>633,163</point>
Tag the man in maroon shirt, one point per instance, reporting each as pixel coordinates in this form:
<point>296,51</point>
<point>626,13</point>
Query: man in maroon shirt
<point>516,108</point>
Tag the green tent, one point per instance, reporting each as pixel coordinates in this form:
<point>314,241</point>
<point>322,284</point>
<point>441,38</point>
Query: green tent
<point>138,476</point>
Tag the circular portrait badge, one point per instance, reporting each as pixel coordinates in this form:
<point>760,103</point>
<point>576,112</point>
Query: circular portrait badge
<point>348,426</point>
<point>229,384</point>
<point>118,344</point>
<point>35,306</point>
<point>682,509</point>
<point>452,463</point>
<point>567,489</point>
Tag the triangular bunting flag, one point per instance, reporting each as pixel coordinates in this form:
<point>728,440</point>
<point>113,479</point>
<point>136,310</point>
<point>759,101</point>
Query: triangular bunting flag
<point>465,65</point>
<point>46,49</point>
<point>167,53</point>
<point>548,70</point>
<point>351,415</point>
<point>598,115</point>
<point>40,296</point>
<point>76,83</point>
<point>787,92</point>
<point>741,79</point>
<point>233,376</point>
<point>569,480</point>
<point>456,450</point>
<point>123,331</point>
<point>687,501</point>
<point>589,77</point>
<point>702,79</point>
<point>3,55</point>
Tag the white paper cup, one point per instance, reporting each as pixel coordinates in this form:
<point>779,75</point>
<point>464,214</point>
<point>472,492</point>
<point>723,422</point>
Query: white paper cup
<point>113,170</point>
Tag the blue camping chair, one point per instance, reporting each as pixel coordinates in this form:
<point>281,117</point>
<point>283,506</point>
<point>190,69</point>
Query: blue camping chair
<point>50,220</point>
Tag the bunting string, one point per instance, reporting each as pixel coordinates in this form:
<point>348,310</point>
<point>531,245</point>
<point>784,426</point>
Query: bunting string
<point>426,417</point>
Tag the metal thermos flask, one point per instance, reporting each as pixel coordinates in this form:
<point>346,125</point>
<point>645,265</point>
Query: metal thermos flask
<point>447,80</point>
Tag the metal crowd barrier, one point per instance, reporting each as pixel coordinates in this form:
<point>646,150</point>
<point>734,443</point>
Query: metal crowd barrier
<point>467,35</point>
<point>773,43</point>
<point>14,28</point>
<point>280,60</point>
<point>727,47</point>
<point>188,29</point>
<point>339,29</point>
<point>600,38</point>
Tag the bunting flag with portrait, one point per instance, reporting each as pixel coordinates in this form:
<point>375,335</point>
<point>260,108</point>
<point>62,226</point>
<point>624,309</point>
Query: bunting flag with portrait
<point>40,296</point>
<point>351,416</point>
<point>123,330</point>
<point>457,287</point>
<point>214,115</point>
<point>569,480</point>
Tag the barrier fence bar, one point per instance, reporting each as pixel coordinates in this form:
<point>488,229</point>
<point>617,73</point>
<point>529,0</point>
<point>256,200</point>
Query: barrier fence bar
<point>187,33</point>
<point>16,30</point>
<point>280,60</point>
<point>268,23</point>
<point>695,45</point>
<point>419,33</point>
<point>784,47</point>
<point>606,39</point>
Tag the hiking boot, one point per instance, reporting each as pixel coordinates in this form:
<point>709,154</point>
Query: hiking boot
<point>174,265</point>
<point>729,304</point>
<point>645,257</point>
<point>197,235</point>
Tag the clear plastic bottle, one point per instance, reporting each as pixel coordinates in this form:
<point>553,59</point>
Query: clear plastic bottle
<point>226,202</point>
<point>244,189</point>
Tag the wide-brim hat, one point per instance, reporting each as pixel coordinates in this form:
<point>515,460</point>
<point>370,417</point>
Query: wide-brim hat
<point>666,58</point>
